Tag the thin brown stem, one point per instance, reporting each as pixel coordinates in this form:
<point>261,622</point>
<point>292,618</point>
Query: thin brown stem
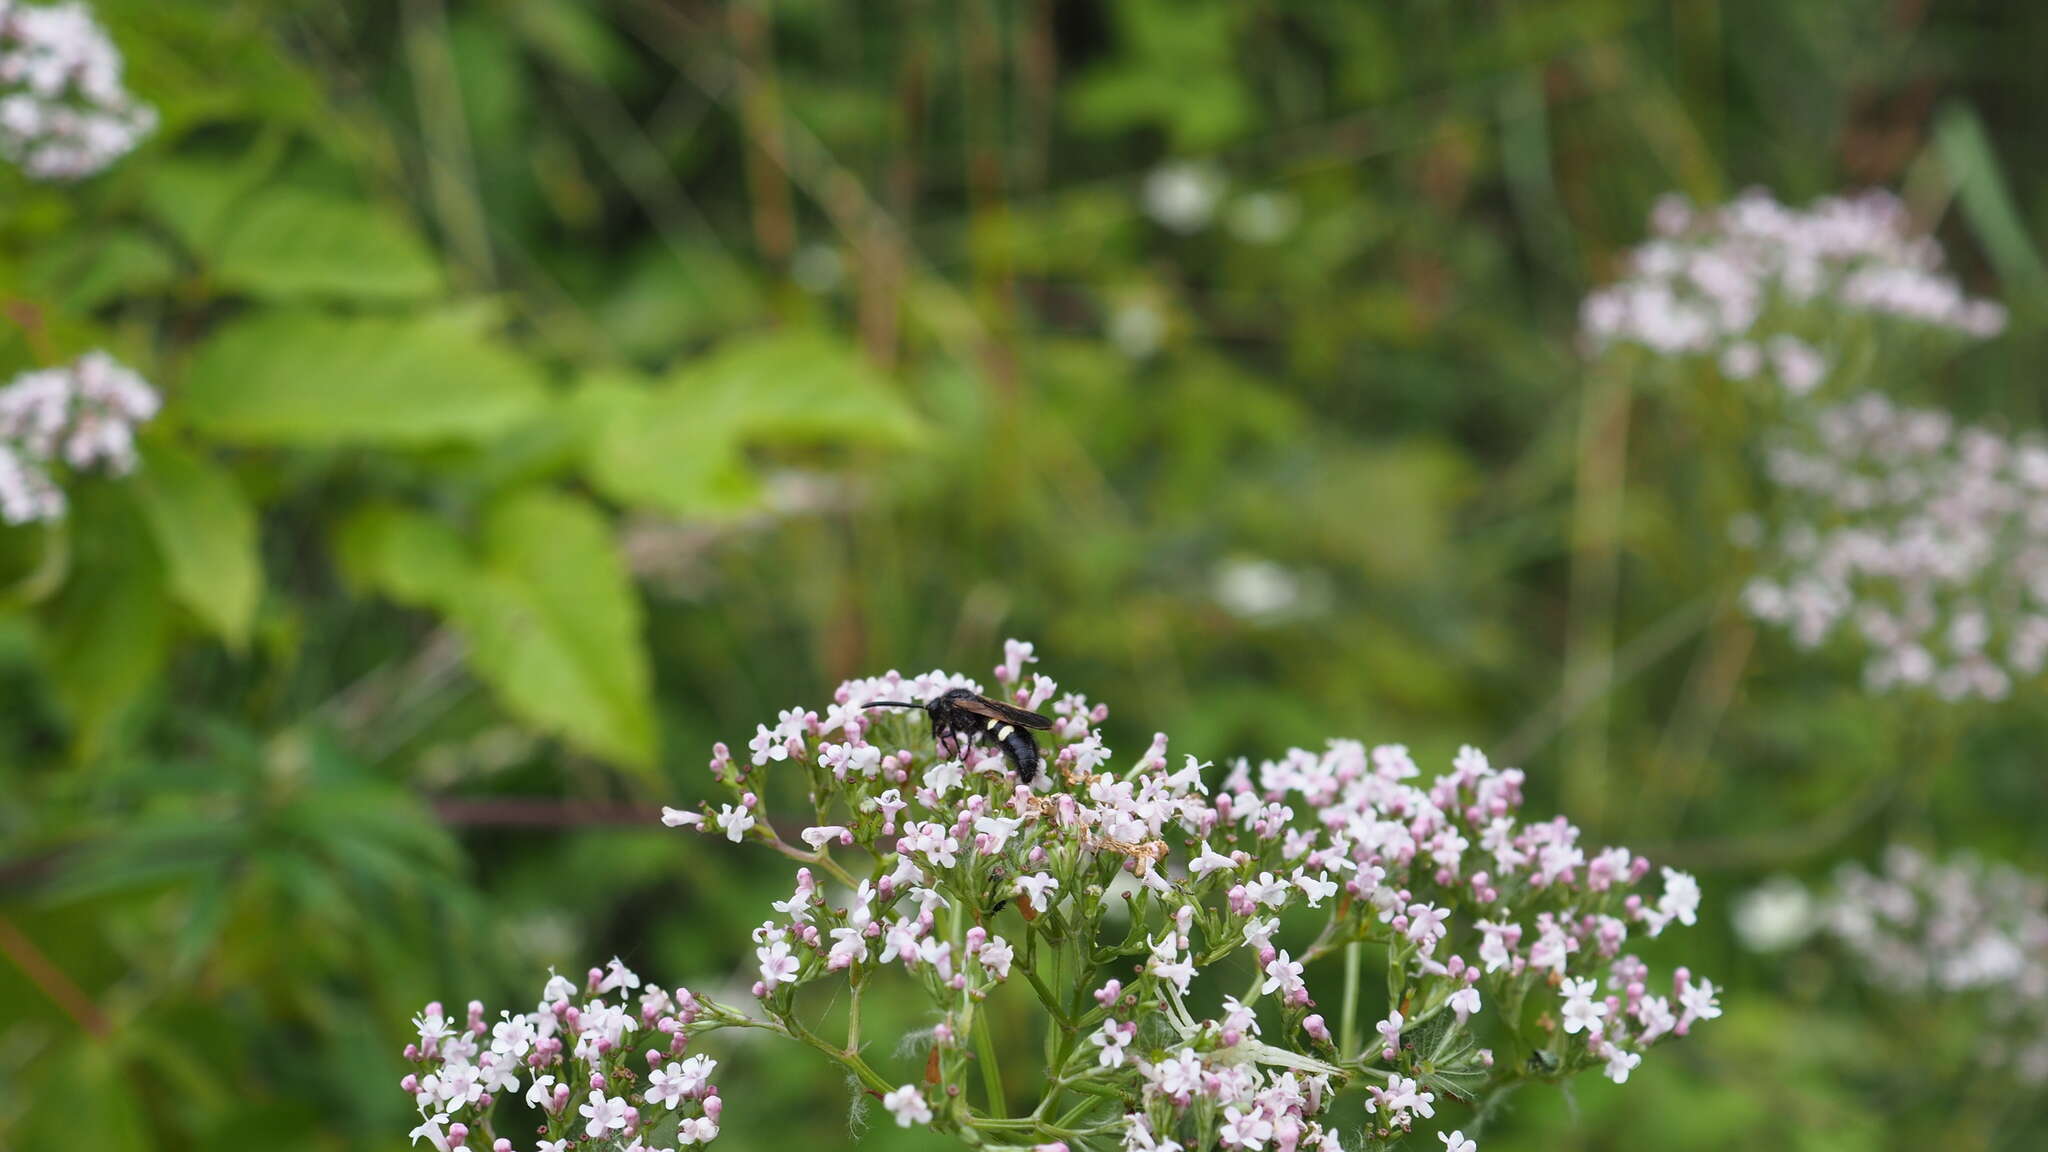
<point>51,980</point>
<point>751,23</point>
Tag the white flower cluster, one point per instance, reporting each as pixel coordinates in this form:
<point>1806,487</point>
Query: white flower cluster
<point>64,113</point>
<point>1757,285</point>
<point>1929,538</point>
<point>1471,907</point>
<point>606,1061</point>
<point>1119,899</point>
<point>1924,928</point>
<point>82,415</point>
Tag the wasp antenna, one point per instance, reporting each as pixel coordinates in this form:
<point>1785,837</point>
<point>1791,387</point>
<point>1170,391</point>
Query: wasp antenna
<point>891,704</point>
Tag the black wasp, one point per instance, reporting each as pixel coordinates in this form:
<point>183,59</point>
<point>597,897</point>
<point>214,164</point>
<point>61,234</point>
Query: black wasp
<point>964,717</point>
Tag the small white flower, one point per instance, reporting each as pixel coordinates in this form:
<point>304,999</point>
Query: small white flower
<point>1211,861</point>
<point>618,976</point>
<point>1111,1038</point>
<point>1317,888</point>
<point>1581,1008</point>
<point>735,821</point>
<point>1620,1062</point>
<point>822,835</point>
<point>1037,887</point>
<point>998,829</point>
<point>996,957</point>
<point>908,1106</point>
<point>605,1113</point>
<point>778,964</point>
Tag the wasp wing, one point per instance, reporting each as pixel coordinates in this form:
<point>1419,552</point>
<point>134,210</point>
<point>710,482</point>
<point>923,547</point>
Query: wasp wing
<point>1008,714</point>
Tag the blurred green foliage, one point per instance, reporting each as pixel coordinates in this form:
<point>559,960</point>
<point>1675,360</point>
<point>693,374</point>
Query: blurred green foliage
<point>556,387</point>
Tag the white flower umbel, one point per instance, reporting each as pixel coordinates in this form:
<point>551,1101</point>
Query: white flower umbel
<point>1960,935</point>
<point>64,113</point>
<point>1925,541</point>
<point>1759,289</point>
<point>1183,936</point>
<point>81,416</point>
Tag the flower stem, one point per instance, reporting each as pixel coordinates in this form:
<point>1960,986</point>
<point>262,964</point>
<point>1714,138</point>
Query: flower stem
<point>1349,1035</point>
<point>991,1071</point>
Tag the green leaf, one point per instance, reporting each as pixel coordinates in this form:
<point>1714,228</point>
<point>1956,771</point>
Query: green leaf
<point>556,625</point>
<point>798,387</point>
<point>88,269</point>
<point>107,634</point>
<point>308,378</point>
<point>646,448</point>
<point>547,605</point>
<point>292,244</point>
<point>196,195</point>
<point>1177,69</point>
<point>1967,153</point>
<point>679,445</point>
<point>409,556</point>
<point>206,530</point>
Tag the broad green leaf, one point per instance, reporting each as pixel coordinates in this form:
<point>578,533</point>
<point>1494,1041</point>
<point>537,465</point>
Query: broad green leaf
<point>206,530</point>
<point>292,244</point>
<point>88,269</point>
<point>196,195</point>
<point>310,378</point>
<point>679,445</point>
<point>409,556</point>
<point>107,634</point>
<point>555,625</point>
<point>546,603</point>
<point>797,386</point>
<point>646,448</point>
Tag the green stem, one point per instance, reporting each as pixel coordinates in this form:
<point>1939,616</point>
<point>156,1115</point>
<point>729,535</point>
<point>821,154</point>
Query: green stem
<point>1349,1041</point>
<point>1045,996</point>
<point>853,1019</point>
<point>991,1071</point>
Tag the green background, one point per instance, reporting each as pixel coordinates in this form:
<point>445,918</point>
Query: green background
<point>554,388</point>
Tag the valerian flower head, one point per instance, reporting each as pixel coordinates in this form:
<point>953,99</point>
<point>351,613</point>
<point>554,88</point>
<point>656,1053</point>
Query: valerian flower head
<point>80,416</point>
<point>1183,932</point>
<point>1923,542</point>
<point>1956,935</point>
<point>64,113</point>
<point>1756,288</point>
